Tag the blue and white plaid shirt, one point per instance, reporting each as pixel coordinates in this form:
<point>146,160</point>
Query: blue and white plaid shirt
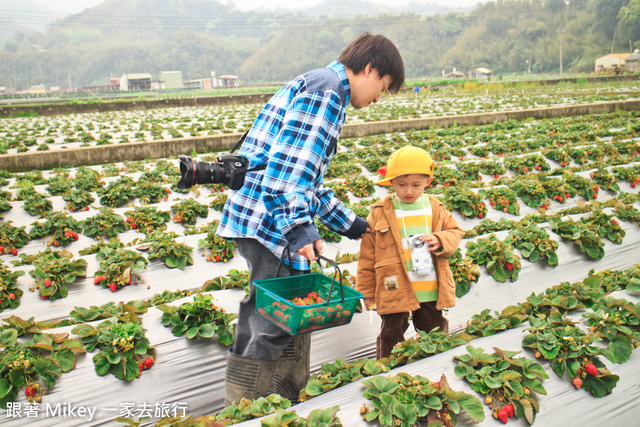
<point>294,138</point>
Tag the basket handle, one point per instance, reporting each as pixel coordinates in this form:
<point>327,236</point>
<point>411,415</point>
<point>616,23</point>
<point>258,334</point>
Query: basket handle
<point>327,260</point>
<point>338,273</point>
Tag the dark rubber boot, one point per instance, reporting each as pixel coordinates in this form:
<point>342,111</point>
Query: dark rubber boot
<point>247,378</point>
<point>293,368</point>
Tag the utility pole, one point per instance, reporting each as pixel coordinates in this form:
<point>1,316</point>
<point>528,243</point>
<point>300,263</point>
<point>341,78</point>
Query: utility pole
<point>560,31</point>
<point>69,77</point>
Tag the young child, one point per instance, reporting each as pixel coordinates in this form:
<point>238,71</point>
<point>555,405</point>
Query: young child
<point>403,271</point>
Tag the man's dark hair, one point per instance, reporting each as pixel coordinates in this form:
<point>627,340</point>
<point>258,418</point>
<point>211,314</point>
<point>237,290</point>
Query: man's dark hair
<point>380,52</point>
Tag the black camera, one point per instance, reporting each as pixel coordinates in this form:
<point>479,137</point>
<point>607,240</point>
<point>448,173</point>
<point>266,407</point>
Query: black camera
<point>228,169</point>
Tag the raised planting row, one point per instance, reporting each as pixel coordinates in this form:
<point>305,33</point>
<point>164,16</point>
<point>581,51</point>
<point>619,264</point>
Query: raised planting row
<point>44,133</point>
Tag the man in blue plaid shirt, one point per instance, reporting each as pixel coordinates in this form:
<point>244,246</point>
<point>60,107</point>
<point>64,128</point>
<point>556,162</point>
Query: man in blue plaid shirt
<point>272,216</point>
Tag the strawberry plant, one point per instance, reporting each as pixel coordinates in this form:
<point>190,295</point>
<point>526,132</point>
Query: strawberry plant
<point>54,270</point>
<point>318,417</point>
<point>577,231</point>
<point>487,226</point>
<point>246,410</point>
<point>87,179</point>
<point>628,213</point>
<point>12,238</point>
<point>150,192</point>
<point>37,205</point>
<point>423,345</point>
<point>168,296</point>
<point>534,243</point>
<point>465,272</point>
<point>59,184</point>
<point>466,201</point>
<point>502,263</point>
<point>117,193</point>
<point>406,400</point>
<point>605,225</point>
<point>492,167</point>
<point>123,312</point>
<point>125,351</point>
<point>526,164</point>
<point>617,321</point>
<point>234,279</point>
<point>186,211</point>
<point>564,298</point>
<point>470,170</point>
<point>201,317</point>
<point>530,190</point>
<point>114,244</point>
<point>484,324</point>
<point>106,223</point>
<point>446,176</point>
<point>218,201</point>
<point>164,246</point>
<point>558,190</point>
<point>147,218</point>
<point>340,190</point>
<point>605,179</point>
<point>216,249</point>
<point>60,228</point>
<point>78,200</point>
<point>570,350</point>
<point>339,373</point>
<point>579,155</point>
<point>10,294</point>
<point>5,199</point>
<point>360,185</point>
<point>34,364</point>
<point>506,381</point>
<point>559,155</point>
<point>503,199</point>
<point>118,267</point>
<point>583,186</point>
<point>630,174</point>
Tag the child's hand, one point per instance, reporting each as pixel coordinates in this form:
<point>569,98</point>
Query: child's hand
<point>432,241</point>
<point>369,304</point>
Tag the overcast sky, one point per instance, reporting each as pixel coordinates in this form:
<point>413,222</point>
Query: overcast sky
<point>75,6</point>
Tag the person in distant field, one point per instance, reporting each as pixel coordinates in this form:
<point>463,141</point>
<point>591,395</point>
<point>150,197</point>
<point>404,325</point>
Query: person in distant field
<point>271,218</point>
<point>403,270</point>
<point>416,90</point>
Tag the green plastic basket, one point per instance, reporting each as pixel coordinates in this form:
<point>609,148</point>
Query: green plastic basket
<point>273,301</point>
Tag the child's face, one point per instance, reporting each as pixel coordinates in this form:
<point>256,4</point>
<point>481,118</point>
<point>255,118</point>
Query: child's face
<point>409,188</point>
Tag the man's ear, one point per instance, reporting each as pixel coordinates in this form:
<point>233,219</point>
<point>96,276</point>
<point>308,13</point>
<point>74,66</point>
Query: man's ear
<point>367,69</point>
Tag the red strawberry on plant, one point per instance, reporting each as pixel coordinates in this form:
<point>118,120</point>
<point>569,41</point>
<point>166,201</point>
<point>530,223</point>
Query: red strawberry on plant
<point>47,282</point>
<point>591,369</point>
<point>12,296</point>
<point>577,382</point>
<point>148,362</point>
<point>503,415</point>
<point>510,410</point>
<point>113,287</point>
<point>509,266</point>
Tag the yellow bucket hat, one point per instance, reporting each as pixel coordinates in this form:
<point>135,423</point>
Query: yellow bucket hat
<point>406,161</point>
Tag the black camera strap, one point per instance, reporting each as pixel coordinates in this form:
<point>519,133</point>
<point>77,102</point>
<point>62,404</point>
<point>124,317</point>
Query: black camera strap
<point>238,144</point>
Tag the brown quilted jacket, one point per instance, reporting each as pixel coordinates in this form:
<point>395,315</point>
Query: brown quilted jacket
<point>381,257</point>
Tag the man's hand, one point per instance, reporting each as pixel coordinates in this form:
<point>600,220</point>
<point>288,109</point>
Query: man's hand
<point>308,252</point>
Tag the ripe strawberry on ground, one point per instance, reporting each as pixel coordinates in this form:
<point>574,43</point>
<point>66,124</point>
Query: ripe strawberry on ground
<point>113,287</point>
<point>577,382</point>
